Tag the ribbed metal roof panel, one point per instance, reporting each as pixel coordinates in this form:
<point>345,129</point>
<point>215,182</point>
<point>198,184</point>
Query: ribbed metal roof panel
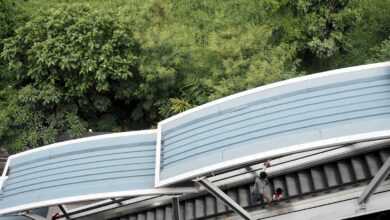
<point>305,110</point>
<point>121,163</point>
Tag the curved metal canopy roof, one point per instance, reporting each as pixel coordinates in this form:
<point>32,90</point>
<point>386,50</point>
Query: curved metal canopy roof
<point>316,111</point>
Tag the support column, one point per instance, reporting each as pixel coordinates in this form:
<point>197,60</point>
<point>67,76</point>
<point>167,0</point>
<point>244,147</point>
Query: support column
<point>64,212</point>
<point>375,182</point>
<point>219,194</point>
<point>176,208</point>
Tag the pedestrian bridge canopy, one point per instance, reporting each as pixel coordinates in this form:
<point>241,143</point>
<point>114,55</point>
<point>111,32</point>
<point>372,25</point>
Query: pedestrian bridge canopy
<point>320,110</point>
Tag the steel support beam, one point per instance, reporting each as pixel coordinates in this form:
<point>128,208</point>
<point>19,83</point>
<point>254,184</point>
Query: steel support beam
<point>117,201</point>
<point>176,208</point>
<point>64,212</point>
<point>375,182</point>
<point>219,194</point>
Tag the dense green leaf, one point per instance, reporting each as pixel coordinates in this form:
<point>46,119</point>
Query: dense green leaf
<point>68,67</point>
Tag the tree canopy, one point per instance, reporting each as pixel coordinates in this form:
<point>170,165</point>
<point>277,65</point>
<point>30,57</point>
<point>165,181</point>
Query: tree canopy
<point>69,66</point>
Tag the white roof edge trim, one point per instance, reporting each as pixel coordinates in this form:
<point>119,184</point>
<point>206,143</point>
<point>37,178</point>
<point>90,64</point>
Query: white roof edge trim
<point>160,191</point>
<point>2,181</point>
<point>81,140</point>
<point>158,156</point>
<point>371,136</point>
<point>277,84</point>
<point>5,169</point>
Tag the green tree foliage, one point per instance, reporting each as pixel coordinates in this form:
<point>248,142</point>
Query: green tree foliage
<point>381,53</point>
<point>7,18</point>
<point>317,28</point>
<point>69,65</point>
<point>324,24</point>
<point>211,52</point>
<point>369,33</point>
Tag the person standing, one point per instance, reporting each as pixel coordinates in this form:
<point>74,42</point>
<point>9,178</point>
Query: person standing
<point>262,189</point>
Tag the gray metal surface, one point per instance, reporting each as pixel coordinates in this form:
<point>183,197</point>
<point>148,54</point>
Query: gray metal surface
<point>224,198</point>
<point>38,214</point>
<point>374,183</point>
<point>105,205</point>
<point>14,218</point>
<point>309,181</point>
<point>33,216</point>
<point>176,209</point>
